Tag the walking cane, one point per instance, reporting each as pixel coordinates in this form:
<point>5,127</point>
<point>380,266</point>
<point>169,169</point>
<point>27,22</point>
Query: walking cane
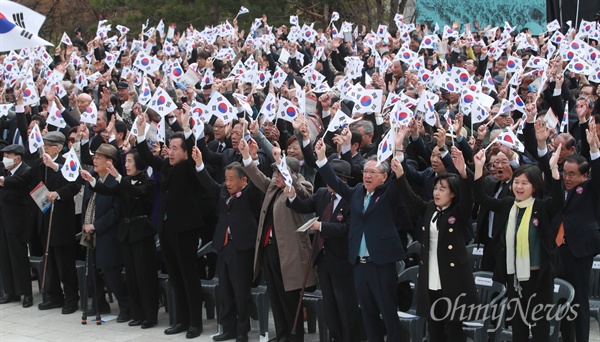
<point>93,257</point>
<point>308,265</point>
<point>46,250</point>
<point>87,270</point>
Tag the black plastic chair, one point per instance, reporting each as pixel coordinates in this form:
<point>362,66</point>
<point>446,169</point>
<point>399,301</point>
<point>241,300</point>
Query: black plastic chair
<point>409,320</point>
<point>563,297</point>
<point>475,256</point>
<point>490,294</point>
<point>594,296</point>
<point>209,286</point>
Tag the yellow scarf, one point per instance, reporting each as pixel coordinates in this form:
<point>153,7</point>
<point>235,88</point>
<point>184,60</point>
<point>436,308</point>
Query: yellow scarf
<point>519,261</point>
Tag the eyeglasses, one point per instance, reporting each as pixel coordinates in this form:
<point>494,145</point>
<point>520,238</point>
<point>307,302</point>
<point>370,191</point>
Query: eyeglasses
<point>371,172</point>
<point>570,175</point>
<point>218,126</point>
<point>72,140</point>
<point>501,162</point>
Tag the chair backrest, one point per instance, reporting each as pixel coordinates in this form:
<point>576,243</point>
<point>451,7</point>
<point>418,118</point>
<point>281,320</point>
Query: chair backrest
<point>490,292</point>
<point>595,279</point>
<point>413,254</point>
<point>206,249</point>
<point>475,256</point>
<point>400,266</point>
<point>411,275</point>
<point>563,297</point>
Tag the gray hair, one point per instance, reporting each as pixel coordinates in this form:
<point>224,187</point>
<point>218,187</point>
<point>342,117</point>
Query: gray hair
<point>384,167</point>
<point>366,125</point>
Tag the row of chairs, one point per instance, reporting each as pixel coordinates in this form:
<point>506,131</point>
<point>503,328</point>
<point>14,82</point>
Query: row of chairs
<point>490,293</point>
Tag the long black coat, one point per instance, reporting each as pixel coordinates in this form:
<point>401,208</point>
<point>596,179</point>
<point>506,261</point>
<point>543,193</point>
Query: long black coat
<point>106,219</point>
<point>63,225</point>
<point>543,211</point>
<point>179,190</point>
<point>135,194</point>
<point>456,272</point>
<point>16,209</point>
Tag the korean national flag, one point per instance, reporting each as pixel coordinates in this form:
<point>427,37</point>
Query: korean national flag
<point>35,139</point>
<point>13,37</point>
<point>90,114</point>
<point>55,117</point>
<point>161,102</point>
<point>71,168</point>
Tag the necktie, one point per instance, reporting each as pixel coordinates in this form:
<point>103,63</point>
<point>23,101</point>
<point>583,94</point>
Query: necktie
<point>363,243</point>
<point>560,237</point>
<point>221,148</point>
<point>437,215</point>
<point>325,217</point>
<point>228,206</point>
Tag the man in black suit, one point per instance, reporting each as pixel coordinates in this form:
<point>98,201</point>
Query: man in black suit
<point>232,154</point>
<point>62,248</point>
<point>374,245</point>
<point>180,222</point>
<point>15,228</point>
<point>330,256</point>
<point>100,216</point>
<point>578,232</point>
<point>238,206</point>
<point>490,225</point>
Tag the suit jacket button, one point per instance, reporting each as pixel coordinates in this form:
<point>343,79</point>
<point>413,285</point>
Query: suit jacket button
<point>421,262</point>
<point>451,264</point>
<point>423,228</point>
<point>450,230</point>
<point>450,247</point>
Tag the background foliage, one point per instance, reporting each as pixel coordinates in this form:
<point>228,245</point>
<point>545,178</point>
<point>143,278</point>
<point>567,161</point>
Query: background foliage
<point>67,15</point>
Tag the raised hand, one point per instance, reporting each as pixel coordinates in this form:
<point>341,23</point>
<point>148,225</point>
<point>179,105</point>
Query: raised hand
<point>479,159</point>
<point>397,167</point>
<point>290,192</point>
<point>554,159</point>
<point>276,152</point>
<point>86,176</point>
<point>112,170</point>
<point>541,132</point>
<point>459,161</point>
<point>141,125</point>
<point>244,149</point>
<point>197,156</point>
<point>320,149</point>
<point>592,136</point>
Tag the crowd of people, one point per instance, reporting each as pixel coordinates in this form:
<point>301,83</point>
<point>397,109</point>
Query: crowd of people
<point>185,137</point>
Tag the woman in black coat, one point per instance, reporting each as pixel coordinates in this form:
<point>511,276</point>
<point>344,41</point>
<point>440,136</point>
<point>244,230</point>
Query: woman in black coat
<point>527,244</point>
<point>136,233</point>
<point>445,273</point>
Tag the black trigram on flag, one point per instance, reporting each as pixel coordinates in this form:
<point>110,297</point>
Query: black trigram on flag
<point>26,34</point>
<point>18,19</point>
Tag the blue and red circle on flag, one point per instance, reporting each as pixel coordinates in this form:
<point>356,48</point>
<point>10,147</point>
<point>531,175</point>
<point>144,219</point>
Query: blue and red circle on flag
<point>291,112</point>
<point>511,64</point>
<point>177,72</point>
<point>73,165</point>
<point>508,138</point>
<point>145,61</point>
<point>463,77</point>
<point>468,98</point>
<point>519,102</point>
<point>222,107</point>
<point>5,24</point>
<point>366,100</point>
<point>26,93</point>
<point>578,66</point>
<point>161,100</point>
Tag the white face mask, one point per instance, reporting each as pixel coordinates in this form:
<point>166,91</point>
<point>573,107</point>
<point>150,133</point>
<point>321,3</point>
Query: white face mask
<point>8,162</point>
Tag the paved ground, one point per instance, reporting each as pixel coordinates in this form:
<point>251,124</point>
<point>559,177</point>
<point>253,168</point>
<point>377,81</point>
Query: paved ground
<point>31,324</point>
<point>18,324</point>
